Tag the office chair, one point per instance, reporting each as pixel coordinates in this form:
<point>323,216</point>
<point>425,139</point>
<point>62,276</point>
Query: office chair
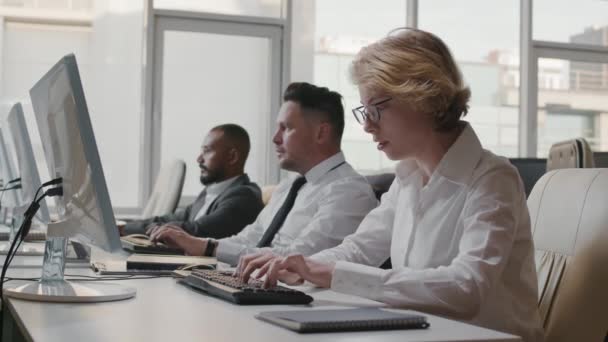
<point>167,189</point>
<point>570,229</point>
<point>575,153</point>
<point>600,159</point>
<point>380,182</point>
<point>267,191</point>
<point>530,170</point>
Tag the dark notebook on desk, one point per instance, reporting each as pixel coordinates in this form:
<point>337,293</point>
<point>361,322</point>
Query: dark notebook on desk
<point>359,319</point>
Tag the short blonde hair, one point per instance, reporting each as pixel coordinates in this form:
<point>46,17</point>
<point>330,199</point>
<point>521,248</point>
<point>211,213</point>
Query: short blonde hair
<point>417,68</point>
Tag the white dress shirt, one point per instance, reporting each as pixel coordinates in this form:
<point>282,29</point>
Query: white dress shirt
<point>212,191</point>
<point>460,246</point>
<point>328,207</point>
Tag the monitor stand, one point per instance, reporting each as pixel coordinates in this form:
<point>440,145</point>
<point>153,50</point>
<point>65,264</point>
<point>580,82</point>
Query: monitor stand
<point>53,288</point>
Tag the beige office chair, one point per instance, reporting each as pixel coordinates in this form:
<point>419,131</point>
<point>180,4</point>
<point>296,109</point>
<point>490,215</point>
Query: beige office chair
<point>575,153</point>
<point>167,189</point>
<point>569,216</point>
<point>267,191</point>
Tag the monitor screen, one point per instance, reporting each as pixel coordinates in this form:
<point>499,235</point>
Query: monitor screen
<point>28,171</point>
<point>8,172</point>
<point>84,210</point>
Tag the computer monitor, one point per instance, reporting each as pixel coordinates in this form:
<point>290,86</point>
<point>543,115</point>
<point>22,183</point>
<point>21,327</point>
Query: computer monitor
<point>10,198</point>
<point>28,171</point>
<point>530,171</point>
<point>84,210</point>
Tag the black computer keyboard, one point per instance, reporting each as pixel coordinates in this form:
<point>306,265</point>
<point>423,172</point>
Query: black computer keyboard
<point>224,285</point>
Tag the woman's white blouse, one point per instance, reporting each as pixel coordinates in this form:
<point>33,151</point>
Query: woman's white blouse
<point>460,246</point>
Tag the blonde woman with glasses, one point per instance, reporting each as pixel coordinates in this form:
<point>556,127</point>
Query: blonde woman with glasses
<point>454,222</point>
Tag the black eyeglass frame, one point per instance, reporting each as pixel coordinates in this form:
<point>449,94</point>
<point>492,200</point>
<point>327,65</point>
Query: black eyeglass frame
<point>362,114</point>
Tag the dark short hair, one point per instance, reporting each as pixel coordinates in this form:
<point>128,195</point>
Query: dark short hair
<point>237,136</point>
<point>318,100</point>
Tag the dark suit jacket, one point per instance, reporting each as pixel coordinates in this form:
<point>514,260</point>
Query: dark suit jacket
<point>230,212</point>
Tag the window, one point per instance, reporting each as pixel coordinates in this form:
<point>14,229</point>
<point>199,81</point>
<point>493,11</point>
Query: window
<point>342,28</point>
<point>63,5</point>
<point>29,51</point>
<point>106,38</point>
<point>572,103</point>
<point>581,22</point>
<point>193,103</point>
<point>258,8</point>
<point>484,38</point>
<point>570,92</point>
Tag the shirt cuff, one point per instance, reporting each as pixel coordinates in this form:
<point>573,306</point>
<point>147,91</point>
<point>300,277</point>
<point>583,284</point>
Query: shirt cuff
<point>229,252</point>
<point>356,279</point>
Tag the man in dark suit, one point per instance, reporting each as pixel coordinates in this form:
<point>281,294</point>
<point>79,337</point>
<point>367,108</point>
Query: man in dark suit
<point>229,202</point>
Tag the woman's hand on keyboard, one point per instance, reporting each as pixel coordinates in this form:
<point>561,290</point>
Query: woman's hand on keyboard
<point>291,270</point>
<point>251,262</point>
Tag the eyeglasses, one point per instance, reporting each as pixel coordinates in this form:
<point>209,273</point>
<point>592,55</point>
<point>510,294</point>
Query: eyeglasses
<point>371,112</point>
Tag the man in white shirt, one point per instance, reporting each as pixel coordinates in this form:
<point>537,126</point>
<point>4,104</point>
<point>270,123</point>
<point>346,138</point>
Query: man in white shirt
<point>229,201</point>
<point>308,213</point>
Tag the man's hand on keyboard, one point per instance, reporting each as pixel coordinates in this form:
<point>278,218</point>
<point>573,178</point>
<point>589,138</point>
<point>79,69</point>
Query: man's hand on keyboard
<point>155,227</point>
<point>178,238</point>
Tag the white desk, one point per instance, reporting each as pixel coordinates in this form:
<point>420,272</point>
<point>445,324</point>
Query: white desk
<point>166,311</point>
<point>35,263</point>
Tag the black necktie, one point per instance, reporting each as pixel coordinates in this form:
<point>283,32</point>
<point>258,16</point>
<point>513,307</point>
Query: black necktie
<point>281,214</point>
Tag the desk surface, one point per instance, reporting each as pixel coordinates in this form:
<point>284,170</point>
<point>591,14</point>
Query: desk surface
<point>164,310</point>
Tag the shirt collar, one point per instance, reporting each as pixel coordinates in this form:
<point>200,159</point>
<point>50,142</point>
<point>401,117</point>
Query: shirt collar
<point>324,167</point>
<point>458,162</point>
<point>405,168</point>
<point>218,188</point>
